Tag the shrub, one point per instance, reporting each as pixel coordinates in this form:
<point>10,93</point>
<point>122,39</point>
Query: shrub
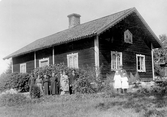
<point>108,87</point>
<point>153,113</point>
<point>86,81</point>
<point>35,92</point>
<point>51,68</point>
<point>18,81</point>
<point>159,89</point>
<point>144,91</point>
<point>13,99</point>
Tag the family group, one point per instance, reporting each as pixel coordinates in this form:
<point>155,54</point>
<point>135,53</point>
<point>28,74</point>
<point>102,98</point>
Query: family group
<point>121,83</point>
<point>58,83</point>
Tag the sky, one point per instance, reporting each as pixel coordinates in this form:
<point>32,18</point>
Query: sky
<point>24,21</point>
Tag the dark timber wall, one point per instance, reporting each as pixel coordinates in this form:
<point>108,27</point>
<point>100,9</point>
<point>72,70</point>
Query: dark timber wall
<point>27,58</point>
<point>113,40</point>
<point>84,48</point>
<point>45,53</point>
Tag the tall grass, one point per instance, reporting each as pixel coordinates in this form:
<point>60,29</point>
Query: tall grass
<point>14,99</point>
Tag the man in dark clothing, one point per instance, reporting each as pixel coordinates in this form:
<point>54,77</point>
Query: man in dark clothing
<point>71,81</point>
<point>31,84</point>
<point>46,85</point>
<point>54,84</point>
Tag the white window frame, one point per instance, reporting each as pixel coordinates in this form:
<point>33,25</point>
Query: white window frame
<point>73,62</point>
<point>128,37</point>
<point>44,59</point>
<point>25,69</point>
<point>143,68</point>
<point>120,64</point>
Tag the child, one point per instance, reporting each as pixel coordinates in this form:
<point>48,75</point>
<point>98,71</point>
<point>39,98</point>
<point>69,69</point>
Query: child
<point>125,84</point>
<point>117,81</point>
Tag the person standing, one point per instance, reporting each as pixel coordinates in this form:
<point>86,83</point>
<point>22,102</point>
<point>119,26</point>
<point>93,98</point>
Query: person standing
<point>117,81</point>
<point>46,84</point>
<point>57,84</point>
<point>64,83</point>
<point>54,84</point>
<point>39,84</point>
<point>125,83</point>
<point>31,83</point>
<point>58,75</point>
<point>71,81</point>
<point>61,83</point>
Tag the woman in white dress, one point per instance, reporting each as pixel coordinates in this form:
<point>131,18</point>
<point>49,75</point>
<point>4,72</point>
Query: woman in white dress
<point>117,81</point>
<point>64,83</point>
<point>125,83</point>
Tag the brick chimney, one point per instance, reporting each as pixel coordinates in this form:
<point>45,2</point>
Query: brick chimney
<point>74,20</point>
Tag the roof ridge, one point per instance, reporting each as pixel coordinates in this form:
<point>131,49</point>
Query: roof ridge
<point>87,22</point>
<point>83,24</point>
<point>32,46</point>
<point>104,17</point>
<point>128,11</point>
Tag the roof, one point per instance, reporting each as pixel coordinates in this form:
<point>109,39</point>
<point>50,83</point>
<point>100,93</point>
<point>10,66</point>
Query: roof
<point>81,31</point>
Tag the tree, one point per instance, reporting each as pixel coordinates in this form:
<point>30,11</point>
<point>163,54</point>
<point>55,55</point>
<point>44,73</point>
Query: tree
<point>160,56</point>
<point>9,69</point>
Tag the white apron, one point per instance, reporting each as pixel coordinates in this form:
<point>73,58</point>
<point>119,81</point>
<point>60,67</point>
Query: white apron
<point>125,83</point>
<point>117,81</point>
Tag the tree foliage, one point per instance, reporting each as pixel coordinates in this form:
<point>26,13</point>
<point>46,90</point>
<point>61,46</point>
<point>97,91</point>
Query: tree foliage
<point>18,81</point>
<point>9,69</point>
<point>160,56</point>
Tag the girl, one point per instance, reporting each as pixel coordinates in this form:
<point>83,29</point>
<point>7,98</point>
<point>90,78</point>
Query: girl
<point>125,84</point>
<point>117,81</point>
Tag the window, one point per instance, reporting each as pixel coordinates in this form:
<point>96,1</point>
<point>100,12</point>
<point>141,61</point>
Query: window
<point>44,62</point>
<point>72,60</point>
<point>128,37</point>
<point>23,68</point>
<point>140,62</point>
<point>116,60</point>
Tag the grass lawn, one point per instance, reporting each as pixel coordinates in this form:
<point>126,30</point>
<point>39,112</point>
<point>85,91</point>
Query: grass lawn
<point>94,105</point>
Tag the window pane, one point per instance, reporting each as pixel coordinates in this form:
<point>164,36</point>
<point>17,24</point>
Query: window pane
<point>138,63</point>
<point>142,63</point>
<point>118,60</point>
<point>23,68</point>
<point>74,62</point>
<point>113,61</point>
<point>70,61</point>
<point>44,63</point>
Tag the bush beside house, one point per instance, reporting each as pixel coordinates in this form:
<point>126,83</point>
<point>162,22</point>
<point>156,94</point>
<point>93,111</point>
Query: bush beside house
<point>18,81</point>
<point>86,81</point>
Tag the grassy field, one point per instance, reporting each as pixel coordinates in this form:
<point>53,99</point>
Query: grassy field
<point>94,105</point>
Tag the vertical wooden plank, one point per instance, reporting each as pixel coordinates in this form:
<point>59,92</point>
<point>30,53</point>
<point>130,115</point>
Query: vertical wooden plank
<point>53,55</point>
<point>152,56</point>
<point>35,60</point>
<point>96,50</point>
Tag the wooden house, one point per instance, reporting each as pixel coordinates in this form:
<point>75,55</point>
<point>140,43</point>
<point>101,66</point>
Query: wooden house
<point>120,39</point>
